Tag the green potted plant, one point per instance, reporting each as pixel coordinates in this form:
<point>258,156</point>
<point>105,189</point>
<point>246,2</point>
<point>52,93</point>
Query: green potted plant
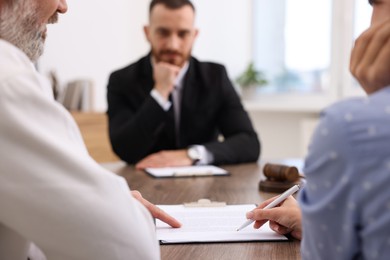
<point>250,79</point>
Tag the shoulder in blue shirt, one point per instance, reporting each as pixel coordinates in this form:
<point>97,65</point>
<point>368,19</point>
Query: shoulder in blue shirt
<point>348,180</point>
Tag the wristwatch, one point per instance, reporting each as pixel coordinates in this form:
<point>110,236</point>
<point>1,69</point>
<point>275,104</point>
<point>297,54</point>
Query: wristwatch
<point>194,154</point>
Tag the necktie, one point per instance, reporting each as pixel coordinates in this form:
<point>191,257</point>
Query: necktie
<point>174,98</point>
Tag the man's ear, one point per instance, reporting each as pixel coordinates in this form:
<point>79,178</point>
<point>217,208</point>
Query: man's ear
<point>146,31</point>
<point>196,33</point>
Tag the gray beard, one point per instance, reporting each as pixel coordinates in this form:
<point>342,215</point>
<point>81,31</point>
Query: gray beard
<point>19,26</point>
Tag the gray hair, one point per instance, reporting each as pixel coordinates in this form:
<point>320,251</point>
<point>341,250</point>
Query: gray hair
<point>18,26</point>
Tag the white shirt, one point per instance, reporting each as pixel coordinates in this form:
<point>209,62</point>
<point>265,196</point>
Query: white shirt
<point>205,156</point>
<point>51,191</point>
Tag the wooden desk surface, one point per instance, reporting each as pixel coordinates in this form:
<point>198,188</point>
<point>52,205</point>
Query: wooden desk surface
<point>241,187</point>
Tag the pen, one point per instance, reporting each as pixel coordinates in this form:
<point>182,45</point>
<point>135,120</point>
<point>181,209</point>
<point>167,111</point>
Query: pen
<point>274,203</point>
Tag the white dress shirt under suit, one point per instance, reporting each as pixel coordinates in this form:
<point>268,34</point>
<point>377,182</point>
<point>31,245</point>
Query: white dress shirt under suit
<point>205,157</point>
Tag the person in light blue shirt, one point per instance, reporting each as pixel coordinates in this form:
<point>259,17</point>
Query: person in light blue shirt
<point>346,203</point>
<point>344,209</point>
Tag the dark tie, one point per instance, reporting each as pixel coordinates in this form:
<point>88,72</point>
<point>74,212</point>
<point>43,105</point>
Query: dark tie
<point>171,122</point>
<point>174,99</point>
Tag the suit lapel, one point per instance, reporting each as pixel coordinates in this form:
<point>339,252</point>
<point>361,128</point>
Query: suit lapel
<point>146,79</point>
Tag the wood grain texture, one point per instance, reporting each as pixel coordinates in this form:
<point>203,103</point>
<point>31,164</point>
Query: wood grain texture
<point>240,187</point>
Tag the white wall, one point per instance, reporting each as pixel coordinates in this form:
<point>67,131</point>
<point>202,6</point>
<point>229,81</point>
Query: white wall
<point>96,37</point>
<point>284,134</point>
<point>225,33</point>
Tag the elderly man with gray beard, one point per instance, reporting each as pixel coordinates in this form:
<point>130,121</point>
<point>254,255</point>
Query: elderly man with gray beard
<point>52,193</point>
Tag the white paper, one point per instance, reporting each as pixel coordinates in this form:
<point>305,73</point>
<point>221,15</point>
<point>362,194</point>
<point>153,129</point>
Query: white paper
<point>212,224</point>
<point>189,171</point>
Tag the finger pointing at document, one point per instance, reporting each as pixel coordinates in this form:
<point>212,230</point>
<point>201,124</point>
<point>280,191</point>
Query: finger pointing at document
<point>155,211</point>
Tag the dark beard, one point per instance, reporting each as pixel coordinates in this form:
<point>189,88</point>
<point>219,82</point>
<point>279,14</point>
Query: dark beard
<point>158,57</point>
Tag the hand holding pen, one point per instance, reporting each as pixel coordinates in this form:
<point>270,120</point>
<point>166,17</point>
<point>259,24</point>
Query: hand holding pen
<point>284,219</point>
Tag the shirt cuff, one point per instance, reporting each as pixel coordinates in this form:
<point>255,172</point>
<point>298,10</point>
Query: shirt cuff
<point>165,104</point>
<point>206,157</point>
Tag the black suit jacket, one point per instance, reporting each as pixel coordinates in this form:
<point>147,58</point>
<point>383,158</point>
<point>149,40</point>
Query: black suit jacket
<point>210,106</point>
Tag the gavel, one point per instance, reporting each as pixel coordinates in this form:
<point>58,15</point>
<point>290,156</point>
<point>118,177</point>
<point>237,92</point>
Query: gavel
<point>278,172</point>
<point>279,177</point>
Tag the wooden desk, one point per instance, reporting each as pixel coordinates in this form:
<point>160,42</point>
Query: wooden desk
<point>239,188</point>
<point>94,129</point>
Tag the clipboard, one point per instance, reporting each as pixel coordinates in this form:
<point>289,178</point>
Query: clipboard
<point>187,171</point>
<point>211,222</point>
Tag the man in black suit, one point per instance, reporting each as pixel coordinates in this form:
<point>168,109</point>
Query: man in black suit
<point>169,109</point>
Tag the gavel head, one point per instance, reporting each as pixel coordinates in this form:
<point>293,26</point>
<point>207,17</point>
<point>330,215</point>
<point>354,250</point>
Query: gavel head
<point>281,173</point>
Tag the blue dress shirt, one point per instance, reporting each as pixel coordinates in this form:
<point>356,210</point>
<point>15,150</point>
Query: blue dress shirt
<point>346,202</point>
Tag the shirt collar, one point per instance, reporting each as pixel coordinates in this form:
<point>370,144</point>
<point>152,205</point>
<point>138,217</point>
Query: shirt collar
<point>180,76</point>
<point>10,52</point>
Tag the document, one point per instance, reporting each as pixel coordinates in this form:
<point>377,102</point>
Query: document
<point>212,224</point>
<point>188,171</point>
